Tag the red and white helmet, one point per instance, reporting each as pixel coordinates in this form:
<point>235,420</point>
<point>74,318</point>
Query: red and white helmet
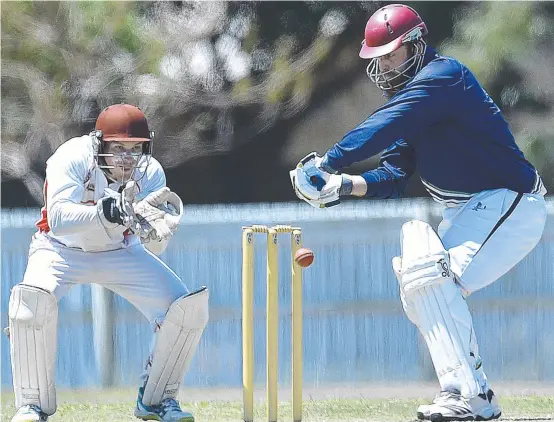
<point>121,123</point>
<point>388,29</point>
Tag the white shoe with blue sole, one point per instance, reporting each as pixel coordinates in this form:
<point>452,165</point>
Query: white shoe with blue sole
<point>167,411</point>
<point>29,413</point>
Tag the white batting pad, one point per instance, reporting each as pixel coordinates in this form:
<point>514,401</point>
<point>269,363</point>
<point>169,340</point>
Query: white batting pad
<point>33,315</point>
<point>437,304</point>
<point>409,310</point>
<point>175,345</point>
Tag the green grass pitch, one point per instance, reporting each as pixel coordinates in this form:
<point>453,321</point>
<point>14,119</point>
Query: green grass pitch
<point>117,405</point>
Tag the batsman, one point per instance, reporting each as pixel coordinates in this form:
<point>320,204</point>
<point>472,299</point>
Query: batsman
<point>440,120</point>
<point>107,216</point>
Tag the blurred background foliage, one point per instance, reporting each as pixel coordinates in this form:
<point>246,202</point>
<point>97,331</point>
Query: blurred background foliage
<point>238,92</point>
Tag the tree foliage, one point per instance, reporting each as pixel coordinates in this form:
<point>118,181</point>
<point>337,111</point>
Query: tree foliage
<point>508,45</point>
<point>222,78</point>
<point>209,75</point>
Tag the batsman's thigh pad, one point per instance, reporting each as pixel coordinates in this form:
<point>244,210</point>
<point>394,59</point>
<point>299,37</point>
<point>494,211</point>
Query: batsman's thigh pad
<point>436,303</point>
<point>33,314</point>
<point>175,345</point>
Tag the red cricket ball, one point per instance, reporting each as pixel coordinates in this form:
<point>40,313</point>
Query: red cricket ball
<point>304,257</point>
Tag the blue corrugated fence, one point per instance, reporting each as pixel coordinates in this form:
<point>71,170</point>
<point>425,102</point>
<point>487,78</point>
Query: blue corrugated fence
<point>354,327</point>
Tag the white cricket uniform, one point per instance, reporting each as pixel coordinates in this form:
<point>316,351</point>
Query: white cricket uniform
<point>73,247</point>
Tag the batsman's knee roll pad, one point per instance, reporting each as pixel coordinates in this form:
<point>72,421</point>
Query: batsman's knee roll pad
<point>33,314</point>
<point>424,260</point>
<point>175,345</point>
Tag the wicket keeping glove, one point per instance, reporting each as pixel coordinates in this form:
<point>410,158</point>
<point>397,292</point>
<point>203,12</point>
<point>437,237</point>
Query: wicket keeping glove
<point>159,215</point>
<point>117,208</point>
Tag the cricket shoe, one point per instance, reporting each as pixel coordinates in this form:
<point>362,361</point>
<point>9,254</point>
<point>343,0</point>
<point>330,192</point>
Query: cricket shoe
<point>30,413</point>
<point>167,411</point>
<point>451,406</point>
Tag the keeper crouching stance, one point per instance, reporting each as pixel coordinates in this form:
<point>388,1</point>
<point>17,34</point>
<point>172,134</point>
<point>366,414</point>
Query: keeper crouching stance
<point>107,215</point>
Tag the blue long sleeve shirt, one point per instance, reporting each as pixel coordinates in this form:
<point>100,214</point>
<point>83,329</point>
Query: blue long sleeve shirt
<point>446,125</point>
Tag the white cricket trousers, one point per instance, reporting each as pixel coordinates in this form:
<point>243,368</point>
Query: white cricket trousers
<point>490,234</point>
<point>133,272</point>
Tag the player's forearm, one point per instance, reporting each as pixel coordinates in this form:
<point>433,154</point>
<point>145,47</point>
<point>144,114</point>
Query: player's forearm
<point>365,141</point>
<point>358,184</point>
<point>376,183</point>
<point>385,184</point>
<point>67,218</point>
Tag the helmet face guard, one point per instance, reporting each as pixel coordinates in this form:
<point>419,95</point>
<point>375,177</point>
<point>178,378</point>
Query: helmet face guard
<point>125,162</point>
<point>393,80</point>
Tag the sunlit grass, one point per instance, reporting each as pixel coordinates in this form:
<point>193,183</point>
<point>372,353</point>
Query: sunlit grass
<point>118,406</point>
